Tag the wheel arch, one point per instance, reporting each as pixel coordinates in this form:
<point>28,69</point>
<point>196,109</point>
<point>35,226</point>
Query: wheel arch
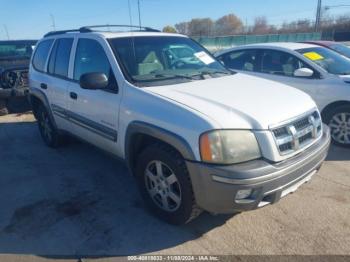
<point>141,134</point>
<point>332,106</point>
<point>37,97</point>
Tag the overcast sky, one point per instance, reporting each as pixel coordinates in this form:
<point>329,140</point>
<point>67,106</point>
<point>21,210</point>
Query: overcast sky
<point>30,19</point>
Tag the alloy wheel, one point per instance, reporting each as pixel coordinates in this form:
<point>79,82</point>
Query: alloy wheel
<point>163,186</point>
<point>340,128</point>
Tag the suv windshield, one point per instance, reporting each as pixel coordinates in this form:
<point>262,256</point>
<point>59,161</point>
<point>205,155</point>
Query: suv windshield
<point>154,60</point>
<point>329,60</point>
<point>16,49</point>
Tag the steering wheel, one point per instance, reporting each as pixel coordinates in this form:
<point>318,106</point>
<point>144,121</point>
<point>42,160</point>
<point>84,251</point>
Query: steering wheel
<point>177,64</point>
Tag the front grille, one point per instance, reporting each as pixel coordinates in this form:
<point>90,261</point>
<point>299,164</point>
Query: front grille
<point>298,133</point>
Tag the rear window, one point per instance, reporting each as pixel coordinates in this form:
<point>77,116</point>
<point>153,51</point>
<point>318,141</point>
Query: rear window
<point>60,55</point>
<point>41,54</point>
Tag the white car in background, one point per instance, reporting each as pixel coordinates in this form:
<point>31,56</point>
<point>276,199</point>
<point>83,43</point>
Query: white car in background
<point>318,71</point>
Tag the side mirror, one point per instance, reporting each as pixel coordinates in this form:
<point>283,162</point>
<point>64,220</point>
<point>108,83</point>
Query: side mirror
<point>93,81</point>
<point>303,72</point>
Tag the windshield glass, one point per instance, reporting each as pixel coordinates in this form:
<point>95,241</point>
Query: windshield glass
<point>329,60</point>
<point>9,49</point>
<point>343,49</point>
<point>154,60</point>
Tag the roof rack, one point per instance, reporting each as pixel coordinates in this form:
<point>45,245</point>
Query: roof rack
<point>89,29</point>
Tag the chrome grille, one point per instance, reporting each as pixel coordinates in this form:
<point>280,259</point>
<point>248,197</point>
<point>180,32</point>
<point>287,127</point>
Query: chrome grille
<point>298,133</point>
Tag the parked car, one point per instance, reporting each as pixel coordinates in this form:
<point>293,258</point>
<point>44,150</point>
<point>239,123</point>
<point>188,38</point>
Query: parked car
<point>195,135</point>
<point>318,71</point>
<point>335,46</point>
<point>14,63</point>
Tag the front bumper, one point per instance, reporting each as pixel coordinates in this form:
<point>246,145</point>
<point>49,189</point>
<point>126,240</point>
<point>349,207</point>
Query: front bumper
<point>215,187</point>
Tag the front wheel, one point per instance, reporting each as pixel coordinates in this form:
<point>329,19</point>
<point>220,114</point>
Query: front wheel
<point>165,185</point>
<point>339,122</point>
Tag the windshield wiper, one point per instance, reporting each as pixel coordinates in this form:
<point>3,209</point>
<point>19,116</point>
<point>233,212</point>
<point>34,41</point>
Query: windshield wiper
<point>172,76</point>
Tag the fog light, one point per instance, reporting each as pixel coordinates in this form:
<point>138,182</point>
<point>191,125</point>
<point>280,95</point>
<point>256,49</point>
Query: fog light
<point>243,194</point>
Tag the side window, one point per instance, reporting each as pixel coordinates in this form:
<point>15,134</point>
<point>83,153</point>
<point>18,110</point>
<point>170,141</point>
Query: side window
<point>60,55</point>
<point>41,54</point>
<point>245,60</point>
<point>91,58</point>
<point>280,63</point>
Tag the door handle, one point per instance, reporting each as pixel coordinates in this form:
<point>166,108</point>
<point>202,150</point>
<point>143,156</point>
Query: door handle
<point>73,95</point>
<point>43,86</point>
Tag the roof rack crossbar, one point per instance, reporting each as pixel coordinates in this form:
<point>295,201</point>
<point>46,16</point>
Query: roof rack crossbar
<point>89,29</point>
<point>60,32</point>
<point>141,28</point>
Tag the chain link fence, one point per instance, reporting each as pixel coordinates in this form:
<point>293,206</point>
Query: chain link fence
<point>218,43</point>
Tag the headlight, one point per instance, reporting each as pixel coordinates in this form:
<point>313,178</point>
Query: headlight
<point>229,146</point>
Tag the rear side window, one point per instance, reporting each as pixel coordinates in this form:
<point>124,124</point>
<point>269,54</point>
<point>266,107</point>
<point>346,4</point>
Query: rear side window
<point>280,63</point>
<point>60,55</point>
<point>245,60</point>
<point>90,58</point>
<point>41,53</point>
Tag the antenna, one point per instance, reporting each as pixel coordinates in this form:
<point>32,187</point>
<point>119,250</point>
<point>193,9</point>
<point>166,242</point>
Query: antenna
<point>7,32</point>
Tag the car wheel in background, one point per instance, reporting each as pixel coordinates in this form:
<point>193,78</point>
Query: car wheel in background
<point>338,120</point>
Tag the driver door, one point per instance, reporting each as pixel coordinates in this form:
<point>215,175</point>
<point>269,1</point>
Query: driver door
<point>94,113</point>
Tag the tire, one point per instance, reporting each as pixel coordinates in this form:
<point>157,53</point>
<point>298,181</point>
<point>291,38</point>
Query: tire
<point>338,119</point>
<point>175,210</point>
<point>3,109</point>
<point>48,131</point>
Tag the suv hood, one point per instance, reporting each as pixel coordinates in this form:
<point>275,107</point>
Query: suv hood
<point>239,101</point>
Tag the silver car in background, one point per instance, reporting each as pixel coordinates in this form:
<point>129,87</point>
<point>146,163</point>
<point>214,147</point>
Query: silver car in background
<point>318,71</point>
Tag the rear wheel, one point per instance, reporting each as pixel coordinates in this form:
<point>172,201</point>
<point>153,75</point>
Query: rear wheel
<point>338,120</point>
<point>165,185</point>
<point>3,108</point>
<point>48,132</point>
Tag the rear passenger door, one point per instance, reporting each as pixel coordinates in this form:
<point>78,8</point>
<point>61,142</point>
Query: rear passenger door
<point>58,81</point>
<point>94,113</point>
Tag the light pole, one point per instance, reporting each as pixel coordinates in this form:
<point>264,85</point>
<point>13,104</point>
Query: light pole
<point>7,32</point>
<point>53,22</point>
<point>138,6</point>
<point>318,15</point>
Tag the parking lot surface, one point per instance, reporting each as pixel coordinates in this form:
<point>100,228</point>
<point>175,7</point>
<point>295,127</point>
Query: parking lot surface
<point>77,201</point>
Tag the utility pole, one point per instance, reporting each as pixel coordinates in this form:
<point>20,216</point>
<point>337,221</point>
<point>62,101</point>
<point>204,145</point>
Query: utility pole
<point>138,5</point>
<point>318,16</point>
<point>53,22</point>
<point>7,32</point>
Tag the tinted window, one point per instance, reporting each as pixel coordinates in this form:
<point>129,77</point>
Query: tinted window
<point>52,59</point>
<point>241,60</point>
<point>59,58</point>
<point>90,58</point>
<point>16,49</point>
<point>280,63</point>
<point>41,54</point>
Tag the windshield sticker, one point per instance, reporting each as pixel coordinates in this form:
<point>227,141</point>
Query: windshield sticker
<point>204,57</point>
<point>313,56</point>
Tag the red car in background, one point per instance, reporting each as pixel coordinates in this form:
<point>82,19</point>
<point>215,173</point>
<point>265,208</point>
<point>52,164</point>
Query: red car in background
<point>335,46</point>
